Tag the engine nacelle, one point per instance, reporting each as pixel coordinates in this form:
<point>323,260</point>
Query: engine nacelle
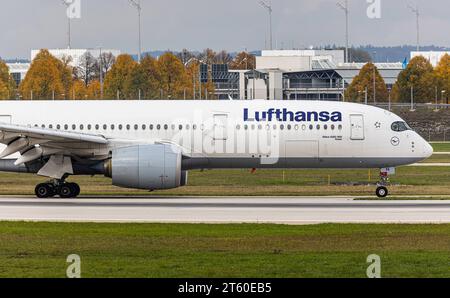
<point>150,167</point>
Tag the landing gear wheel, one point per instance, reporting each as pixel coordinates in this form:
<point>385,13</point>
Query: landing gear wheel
<point>66,191</point>
<point>44,190</point>
<point>76,189</point>
<point>382,192</point>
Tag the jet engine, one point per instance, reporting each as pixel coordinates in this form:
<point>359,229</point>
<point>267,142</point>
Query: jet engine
<point>150,167</point>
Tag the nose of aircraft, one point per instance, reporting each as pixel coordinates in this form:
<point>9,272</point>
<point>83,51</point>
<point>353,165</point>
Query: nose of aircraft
<point>427,150</point>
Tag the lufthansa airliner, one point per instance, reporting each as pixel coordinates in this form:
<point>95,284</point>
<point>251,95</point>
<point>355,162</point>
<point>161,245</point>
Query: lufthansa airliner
<point>153,144</point>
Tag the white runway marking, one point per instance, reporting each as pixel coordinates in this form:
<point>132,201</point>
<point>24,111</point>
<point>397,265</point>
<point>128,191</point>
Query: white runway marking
<point>225,210</point>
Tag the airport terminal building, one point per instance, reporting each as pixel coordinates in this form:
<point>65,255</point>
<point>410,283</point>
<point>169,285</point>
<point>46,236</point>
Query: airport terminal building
<point>293,75</point>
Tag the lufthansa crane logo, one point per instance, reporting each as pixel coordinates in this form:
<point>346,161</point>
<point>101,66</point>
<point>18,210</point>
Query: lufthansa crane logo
<point>395,141</point>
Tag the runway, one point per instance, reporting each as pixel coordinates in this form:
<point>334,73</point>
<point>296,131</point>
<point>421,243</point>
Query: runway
<point>281,210</point>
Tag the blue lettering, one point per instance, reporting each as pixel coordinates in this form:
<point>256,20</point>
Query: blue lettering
<point>285,115</point>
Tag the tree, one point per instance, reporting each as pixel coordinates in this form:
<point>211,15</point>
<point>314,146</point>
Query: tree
<point>243,60</point>
<point>94,90</point>
<point>79,90</point>
<point>418,77</point>
<point>146,78</point>
<point>223,58</point>
<point>47,77</point>
<point>88,68</point>
<point>185,56</point>
<point>208,57</point>
<point>7,84</point>
<point>118,78</point>
<point>364,81</point>
<point>442,75</point>
<point>173,77</point>
<point>108,60</point>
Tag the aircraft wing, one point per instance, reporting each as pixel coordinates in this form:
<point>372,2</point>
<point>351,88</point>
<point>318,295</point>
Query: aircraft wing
<point>9,132</point>
<point>34,143</point>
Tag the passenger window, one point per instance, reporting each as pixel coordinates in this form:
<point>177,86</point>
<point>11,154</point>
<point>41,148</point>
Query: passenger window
<point>136,127</point>
<point>89,127</point>
<point>166,127</point>
<point>151,126</point>
<point>81,127</point>
<point>74,127</point>
<point>112,127</point>
<point>158,127</point>
<point>97,127</point>
<point>128,127</point>
<point>120,126</point>
<point>105,127</point>
<point>66,127</point>
<point>144,127</point>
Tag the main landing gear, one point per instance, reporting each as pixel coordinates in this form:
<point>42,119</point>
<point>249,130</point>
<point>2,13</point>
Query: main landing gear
<point>57,187</point>
<point>382,191</point>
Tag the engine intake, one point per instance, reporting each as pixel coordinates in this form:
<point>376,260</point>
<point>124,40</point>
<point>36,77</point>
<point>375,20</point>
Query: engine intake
<point>150,167</point>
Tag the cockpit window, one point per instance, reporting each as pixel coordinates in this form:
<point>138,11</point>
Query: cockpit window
<point>400,126</point>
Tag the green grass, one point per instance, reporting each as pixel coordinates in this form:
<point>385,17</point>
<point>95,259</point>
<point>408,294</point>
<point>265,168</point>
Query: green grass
<point>407,181</point>
<point>441,147</point>
<point>437,158</point>
<point>171,250</point>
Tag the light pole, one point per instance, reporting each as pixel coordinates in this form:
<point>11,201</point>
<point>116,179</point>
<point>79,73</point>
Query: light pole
<point>137,5</point>
<point>101,73</point>
<point>416,11</point>
<point>268,6</point>
<point>69,42</point>
<point>344,7</point>
<point>374,81</point>
<point>443,95</point>
<point>390,105</point>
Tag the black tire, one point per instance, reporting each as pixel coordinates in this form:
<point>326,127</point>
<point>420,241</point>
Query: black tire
<point>66,191</point>
<point>43,191</point>
<point>382,192</point>
<point>76,189</point>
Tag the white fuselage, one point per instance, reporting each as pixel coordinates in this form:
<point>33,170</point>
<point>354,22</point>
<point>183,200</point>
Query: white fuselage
<point>236,134</point>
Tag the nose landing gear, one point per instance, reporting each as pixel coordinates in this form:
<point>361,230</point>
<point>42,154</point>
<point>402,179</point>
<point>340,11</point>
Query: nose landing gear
<point>382,190</point>
<point>57,187</point>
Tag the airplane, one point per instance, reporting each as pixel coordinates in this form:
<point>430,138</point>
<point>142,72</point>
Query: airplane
<point>152,145</point>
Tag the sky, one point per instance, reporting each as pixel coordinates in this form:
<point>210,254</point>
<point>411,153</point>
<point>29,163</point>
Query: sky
<point>232,25</point>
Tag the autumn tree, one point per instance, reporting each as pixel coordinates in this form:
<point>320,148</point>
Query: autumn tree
<point>419,78</point>
<point>7,84</point>
<point>94,90</point>
<point>118,78</point>
<point>243,61</point>
<point>365,81</point>
<point>145,78</point>
<point>208,57</point>
<point>47,77</point>
<point>174,80</point>
<point>79,90</point>
<point>442,76</point>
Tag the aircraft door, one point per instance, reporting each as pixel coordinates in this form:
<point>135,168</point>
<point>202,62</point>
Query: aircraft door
<point>7,119</point>
<point>357,127</point>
